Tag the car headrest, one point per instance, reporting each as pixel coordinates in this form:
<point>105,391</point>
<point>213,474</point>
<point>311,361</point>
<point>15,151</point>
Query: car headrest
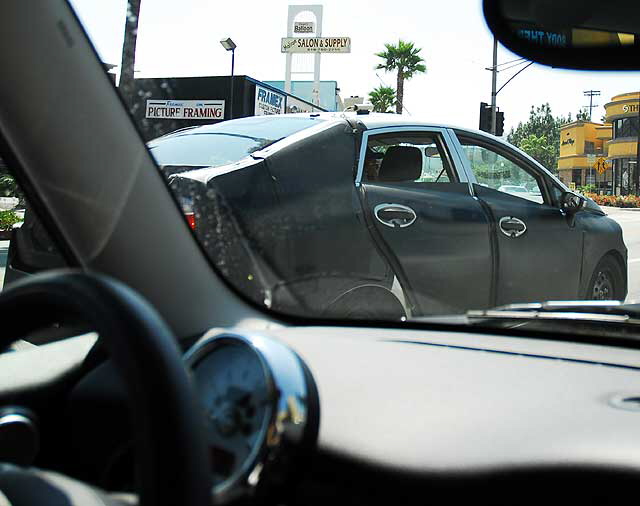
<point>401,163</point>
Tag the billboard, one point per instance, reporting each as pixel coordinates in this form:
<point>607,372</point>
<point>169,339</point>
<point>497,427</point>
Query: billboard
<point>268,102</point>
<point>185,109</point>
<point>316,45</point>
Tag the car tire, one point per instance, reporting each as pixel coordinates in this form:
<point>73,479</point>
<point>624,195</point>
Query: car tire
<point>607,281</point>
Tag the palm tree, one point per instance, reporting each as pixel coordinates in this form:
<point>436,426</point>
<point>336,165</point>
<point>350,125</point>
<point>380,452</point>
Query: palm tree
<point>382,98</point>
<point>405,59</point>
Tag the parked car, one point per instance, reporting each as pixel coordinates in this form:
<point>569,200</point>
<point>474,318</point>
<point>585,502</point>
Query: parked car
<point>349,214</point>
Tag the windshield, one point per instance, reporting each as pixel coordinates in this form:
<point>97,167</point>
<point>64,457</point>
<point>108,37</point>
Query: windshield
<point>224,142</point>
<point>407,166</point>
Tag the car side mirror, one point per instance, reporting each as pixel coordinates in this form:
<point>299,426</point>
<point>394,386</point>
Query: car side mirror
<point>572,202</point>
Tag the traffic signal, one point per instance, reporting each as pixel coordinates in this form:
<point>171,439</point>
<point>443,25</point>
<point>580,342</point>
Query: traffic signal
<point>485,117</point>
<point>499,123</point>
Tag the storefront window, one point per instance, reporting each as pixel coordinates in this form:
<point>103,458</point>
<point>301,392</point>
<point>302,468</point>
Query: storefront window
<point>625,127</point>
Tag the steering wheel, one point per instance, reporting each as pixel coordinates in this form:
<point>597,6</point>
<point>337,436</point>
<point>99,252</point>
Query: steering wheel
<point>172,465</point>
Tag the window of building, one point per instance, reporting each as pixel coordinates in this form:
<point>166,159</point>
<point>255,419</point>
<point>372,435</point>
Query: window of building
<point>589,147</point>
<point>576,177</point>
<point>625,127</point>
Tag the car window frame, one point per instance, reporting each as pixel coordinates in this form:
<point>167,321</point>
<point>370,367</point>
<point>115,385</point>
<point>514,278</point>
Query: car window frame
<point>445,137</point>
<point>510,154</point>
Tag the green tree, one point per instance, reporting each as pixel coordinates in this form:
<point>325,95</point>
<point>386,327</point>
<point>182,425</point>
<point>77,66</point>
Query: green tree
<point>583,115</point>
<point>383,98</point>
<point>404,59</point>
<point>542,124</point>
<point>537,147</point>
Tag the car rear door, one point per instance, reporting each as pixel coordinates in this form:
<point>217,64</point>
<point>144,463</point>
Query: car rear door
<point>539,248</point>
<point>421,213</point>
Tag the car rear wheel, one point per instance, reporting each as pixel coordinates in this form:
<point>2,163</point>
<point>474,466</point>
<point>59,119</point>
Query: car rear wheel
<point>607,281</point>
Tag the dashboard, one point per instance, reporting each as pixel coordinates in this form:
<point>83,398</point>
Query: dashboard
<point>317,415</point>
<point>460,416</point>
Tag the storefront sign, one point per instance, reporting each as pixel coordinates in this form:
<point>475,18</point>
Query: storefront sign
<point>316,45</point>
<point>294,105</point>
<point>185,109</point>
<point>304,27</point>
<point>268,102</point>
<point>630,108</point>
<point>568,141</point>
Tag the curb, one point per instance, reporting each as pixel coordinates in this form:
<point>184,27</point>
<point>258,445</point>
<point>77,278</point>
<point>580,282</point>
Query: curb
<point>636,209</point>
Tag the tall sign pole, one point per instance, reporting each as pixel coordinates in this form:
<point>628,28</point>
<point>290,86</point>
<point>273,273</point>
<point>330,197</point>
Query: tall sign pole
<point>294,12</point>
<point>494,80</point>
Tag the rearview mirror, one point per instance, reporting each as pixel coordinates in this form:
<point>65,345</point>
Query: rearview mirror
<point>579,35</point>
<point>572,202</point>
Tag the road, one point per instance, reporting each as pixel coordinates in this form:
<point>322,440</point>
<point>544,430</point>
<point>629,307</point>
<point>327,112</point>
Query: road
<point>630,223</point>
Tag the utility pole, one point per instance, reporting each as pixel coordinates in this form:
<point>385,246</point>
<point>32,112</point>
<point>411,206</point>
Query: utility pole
<point>126,83</point>
<point>494,80</point>
<point>591,94</point>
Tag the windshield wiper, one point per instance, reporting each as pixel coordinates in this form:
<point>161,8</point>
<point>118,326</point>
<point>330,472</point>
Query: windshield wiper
<point>596,311</point>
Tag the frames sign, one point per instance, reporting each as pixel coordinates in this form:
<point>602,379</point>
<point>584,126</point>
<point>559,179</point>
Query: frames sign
<point>185,109</point>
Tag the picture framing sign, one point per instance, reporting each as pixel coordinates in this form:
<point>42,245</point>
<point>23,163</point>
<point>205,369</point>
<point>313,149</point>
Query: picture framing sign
<point>185,109</point>
<point>268,102</point>
<point>316,45</point>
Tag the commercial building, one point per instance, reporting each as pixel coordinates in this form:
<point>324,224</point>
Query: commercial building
<point>162,105</point>
<point>329,98</point>
<point>612,145</point>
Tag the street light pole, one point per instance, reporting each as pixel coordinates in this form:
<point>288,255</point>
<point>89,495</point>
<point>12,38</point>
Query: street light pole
<point>233,59</point>
<point>494,80</point>
<point>229,45</point>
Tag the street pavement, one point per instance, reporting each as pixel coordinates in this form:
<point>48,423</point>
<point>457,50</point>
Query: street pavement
<point>630,223</point>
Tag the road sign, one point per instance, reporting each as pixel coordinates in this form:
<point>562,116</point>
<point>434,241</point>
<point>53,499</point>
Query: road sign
<point>601,165</point>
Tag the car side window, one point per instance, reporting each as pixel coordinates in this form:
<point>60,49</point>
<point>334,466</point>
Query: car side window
<point>407,157</point>
<point>493,170</point>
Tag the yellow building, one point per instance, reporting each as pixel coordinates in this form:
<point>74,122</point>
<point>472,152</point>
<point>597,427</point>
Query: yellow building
<point>624,113</point>
<point>582,143</point>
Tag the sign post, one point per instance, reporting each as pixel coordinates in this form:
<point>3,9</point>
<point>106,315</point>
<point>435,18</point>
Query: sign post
<point>298,28</point>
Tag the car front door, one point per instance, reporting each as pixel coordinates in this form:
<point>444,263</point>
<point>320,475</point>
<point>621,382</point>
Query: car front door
<point>422,215</point>
<point>539,249</point>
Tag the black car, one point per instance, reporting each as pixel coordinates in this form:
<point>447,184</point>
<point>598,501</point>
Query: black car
<point>379,216</point>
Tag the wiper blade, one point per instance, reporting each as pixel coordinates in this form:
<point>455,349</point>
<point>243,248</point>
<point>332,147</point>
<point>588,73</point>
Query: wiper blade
<point>600,311</point>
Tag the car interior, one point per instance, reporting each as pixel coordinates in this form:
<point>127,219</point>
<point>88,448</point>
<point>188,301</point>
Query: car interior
<point>166,386</point>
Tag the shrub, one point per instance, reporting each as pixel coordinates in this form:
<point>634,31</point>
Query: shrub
<point>629,201</point>
<point>8,219</point>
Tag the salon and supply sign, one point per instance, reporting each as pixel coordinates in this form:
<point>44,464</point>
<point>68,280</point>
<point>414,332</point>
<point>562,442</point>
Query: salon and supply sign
<point>316,45</point>
<point>185,109</point>
<point>268,102</point>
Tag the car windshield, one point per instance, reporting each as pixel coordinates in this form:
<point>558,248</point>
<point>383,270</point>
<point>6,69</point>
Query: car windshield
<point>377,162</point>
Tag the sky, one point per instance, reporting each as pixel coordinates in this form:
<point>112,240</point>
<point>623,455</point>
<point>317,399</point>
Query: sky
<point>181,38</point>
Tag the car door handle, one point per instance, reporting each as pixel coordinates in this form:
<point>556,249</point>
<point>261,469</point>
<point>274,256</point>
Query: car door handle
<point>512,226</point>
<point>394,215</point>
